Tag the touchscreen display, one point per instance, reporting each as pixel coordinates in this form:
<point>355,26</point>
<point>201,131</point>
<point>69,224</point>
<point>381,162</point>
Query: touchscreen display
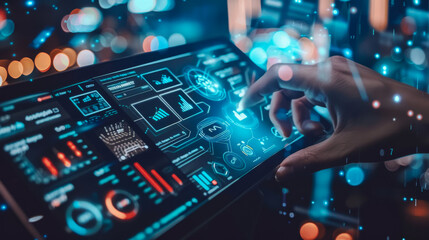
<point>129,154</point>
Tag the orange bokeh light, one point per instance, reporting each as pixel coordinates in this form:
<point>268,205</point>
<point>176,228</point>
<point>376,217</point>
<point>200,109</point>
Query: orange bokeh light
<point>71,54</point>
<point>3,75</point>
<point>344,236</point>
<point>15,69</point>
<point>309,231</point>
<point>309,49</point>
<point>43,62</point>
<point>146,43</point>
<point>54,52</point>
<point>378,14</point>
<point>28,65</point>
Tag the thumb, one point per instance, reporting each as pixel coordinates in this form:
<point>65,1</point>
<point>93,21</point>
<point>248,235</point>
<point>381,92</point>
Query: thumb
<point>331,152</point>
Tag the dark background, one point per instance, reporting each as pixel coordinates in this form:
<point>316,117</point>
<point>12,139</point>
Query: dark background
<point>391,201</point>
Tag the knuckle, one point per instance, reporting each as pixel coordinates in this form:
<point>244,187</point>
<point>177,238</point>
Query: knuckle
<point>338,59</point>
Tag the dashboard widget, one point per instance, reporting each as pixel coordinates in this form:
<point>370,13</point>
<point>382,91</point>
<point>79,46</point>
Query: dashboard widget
<point>156,113</point>
<point>90,103</point>
<point>182,104</point>
<point>161,79</point>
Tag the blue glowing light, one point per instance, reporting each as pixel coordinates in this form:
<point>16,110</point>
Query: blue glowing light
<point>360,227</point>
<point>141,6</point>
<point>29,3</point>
<point>41,37</point>
<point>405,199</point>
<point>341,173</point>
<point>258,55</point>
<point>355,176</point>
<point>335,12</point>
<point>281,39</point>
<point>416,2</point>
<point>397,98</point>
<point>377,56</point>
<point>347,52</point>
<point>3,207</point>
<point>410,43</point>
<point>397,50</point>
<point>158,43</point>
<point>384,72</point>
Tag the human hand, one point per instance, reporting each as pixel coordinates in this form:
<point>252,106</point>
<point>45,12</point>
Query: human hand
<point>374,118</point>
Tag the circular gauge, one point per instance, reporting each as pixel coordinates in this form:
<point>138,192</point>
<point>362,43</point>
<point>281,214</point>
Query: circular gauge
<point>234,161</point>
<point>245,119</point>
<point>121,204</point>
<point>84,218</point>
<point>205,85</point>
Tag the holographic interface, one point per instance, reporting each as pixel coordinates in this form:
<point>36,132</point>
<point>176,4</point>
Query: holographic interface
<point>148,144</point>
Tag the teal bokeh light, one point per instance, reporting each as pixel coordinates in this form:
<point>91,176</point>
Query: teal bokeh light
<point>258,56</point>
<point>355,176</point>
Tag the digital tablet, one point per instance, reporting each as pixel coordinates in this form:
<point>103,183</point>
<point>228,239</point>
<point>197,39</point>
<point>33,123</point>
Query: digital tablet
<point>138,148</point>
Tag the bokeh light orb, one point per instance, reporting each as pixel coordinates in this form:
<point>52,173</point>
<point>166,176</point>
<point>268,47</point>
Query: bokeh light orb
<point>28,65</point>
<point>85,57</point>
<point>408,25</point>
<point>309,231</point>
<point>71,54</point>
<point>86,19</point>
<point>376,104</point>
<point>2,18</point>
<point>176,39</point>
<point>164,5</point>
<point>8,26</point>
<point>355,176</point>
<point>61,62</point>
<point>15,69</point>
<point>3,75</point>
<point>119,44</point>
<point>158,43</point>
<point>105,4</point>
<point>285,73</point>
<point>344,236</point>
<point>258,55</point>
<point>141,6</point>
<point>417,56</point>
<point>42,62</point>
<point>281,39</point>
<point>147,42</point>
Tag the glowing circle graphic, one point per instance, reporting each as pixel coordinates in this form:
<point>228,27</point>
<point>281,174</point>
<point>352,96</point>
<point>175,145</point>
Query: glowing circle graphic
<point>84,218</point>
<point>205,85</point>
<point>121,204</point>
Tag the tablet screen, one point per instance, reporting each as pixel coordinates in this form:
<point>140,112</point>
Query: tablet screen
<point>129,154</point>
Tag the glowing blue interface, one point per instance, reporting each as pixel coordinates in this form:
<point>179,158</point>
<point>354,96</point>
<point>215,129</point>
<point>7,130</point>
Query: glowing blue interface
<point>127,154</point>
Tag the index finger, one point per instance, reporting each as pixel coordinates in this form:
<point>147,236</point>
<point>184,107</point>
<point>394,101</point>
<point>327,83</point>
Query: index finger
<point>280,76</point>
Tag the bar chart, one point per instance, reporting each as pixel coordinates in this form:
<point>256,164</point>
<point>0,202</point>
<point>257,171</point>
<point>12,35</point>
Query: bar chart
<point>184,105</point>
<point>159,114</point>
